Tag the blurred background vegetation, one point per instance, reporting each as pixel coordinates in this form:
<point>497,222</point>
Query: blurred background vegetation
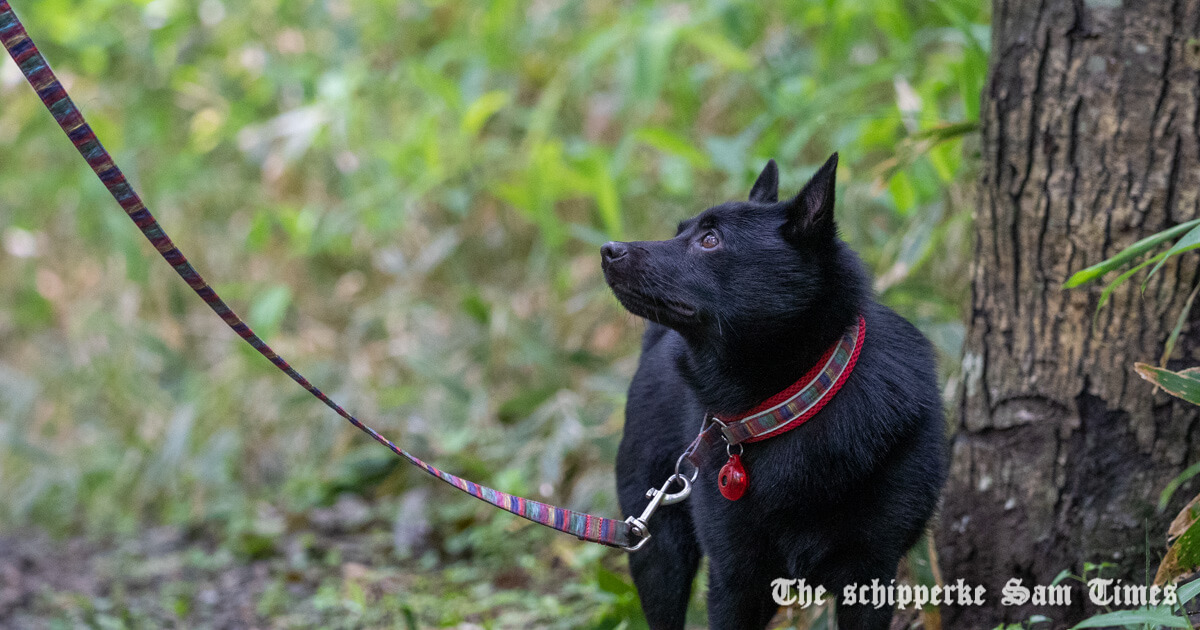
<point>406,200</point>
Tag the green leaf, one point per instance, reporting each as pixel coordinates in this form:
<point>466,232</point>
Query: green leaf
<point>722,50</point>
<point>1188,591</point>
<point>1190,241</point>
<point>903,193</point>
<point>608,200</point>
<point>1156,616</point>
<point>259,233</point>
<point>476,307</point>
<point>652,55</point>
<point>1185,385</point>
<point>31,310</point>
<point>1127,254</point>
<point>267,310</point>
<point>1183,557</point>
<point>524,403</point>
<point>668,141</point>
<point>1062,575</point>
<point>947,132</point>
<point>1169,348</point>
<point>1112,286</point>
<point>610,582</point>
<point>541,119</point>
<point>483,109</point>
<point>1174,484</point>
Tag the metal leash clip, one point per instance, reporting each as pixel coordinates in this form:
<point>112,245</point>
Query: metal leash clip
<point>658,497</point>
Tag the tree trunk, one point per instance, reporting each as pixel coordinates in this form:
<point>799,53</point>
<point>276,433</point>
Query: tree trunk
<point>1090,127</point>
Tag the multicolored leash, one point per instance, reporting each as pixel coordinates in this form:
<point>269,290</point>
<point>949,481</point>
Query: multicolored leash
<point>605,531</point>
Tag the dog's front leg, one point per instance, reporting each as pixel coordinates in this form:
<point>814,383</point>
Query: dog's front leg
<point>864,618</point>
<point>664,569</point>
<point>858,570</point>
<point>739,594</point>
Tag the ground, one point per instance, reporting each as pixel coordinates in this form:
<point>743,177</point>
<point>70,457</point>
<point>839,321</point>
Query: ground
<point>170,577</point>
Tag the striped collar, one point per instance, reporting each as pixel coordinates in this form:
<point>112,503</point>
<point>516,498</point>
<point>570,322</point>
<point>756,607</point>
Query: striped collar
<point>796,404</point>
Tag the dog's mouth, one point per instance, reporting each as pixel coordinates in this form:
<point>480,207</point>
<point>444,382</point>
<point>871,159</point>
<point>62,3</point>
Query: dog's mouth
<point>657,309</point>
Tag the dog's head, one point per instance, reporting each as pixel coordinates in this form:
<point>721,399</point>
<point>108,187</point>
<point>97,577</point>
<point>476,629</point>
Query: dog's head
<point>744,268</point>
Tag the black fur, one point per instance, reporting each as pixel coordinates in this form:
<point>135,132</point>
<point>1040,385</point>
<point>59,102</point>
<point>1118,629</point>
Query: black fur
<point>734,319</point>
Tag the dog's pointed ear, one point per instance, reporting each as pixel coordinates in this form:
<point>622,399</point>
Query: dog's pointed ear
<point>766,187</point>
<point>810,213</point>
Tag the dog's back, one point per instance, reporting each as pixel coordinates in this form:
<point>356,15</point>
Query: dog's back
<point>836,500</point>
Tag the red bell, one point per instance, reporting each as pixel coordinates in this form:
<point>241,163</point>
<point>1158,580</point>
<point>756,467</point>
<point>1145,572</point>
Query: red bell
<point>732,478</point>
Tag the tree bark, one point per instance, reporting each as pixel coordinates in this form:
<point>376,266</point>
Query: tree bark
<point>1090,133</point>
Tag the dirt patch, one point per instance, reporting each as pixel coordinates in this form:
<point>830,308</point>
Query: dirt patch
<point>166,577</point>
<point>153,580</point>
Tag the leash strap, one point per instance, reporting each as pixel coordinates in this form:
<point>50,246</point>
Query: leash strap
<point>605,531</point>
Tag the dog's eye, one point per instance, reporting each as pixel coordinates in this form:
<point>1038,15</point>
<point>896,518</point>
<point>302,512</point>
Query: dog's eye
<point>709,241</point>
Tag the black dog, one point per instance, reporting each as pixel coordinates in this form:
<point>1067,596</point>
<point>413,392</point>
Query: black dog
<point>744,300</point>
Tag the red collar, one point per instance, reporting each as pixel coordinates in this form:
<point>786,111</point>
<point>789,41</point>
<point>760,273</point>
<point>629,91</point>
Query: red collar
<point>793,406</point>
<point>778,414</point>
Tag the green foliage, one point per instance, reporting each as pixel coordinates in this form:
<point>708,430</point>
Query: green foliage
<point>1128,254</point>
<point>1184,384</point>
<point>1033,622</point>
<point>1143,618</point>
<point>1179,480</point>
<point>1147,618</point>
<point>406,199</point>
<point>1189,241</point>
<point>1183,554</point>
<point>1173,338</point>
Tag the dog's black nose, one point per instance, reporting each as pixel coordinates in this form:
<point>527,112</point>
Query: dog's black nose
<point>613,251</point>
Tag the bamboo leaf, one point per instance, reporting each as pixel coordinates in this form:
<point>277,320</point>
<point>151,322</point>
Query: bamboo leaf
<point>483,109</point>
<point>1112,286</point>
<point>903,193</point>
<point>1179,322</point>
<point>1127,254</point>
<point>668,141</point>
<point>1174,484</point>
<point>1062,575</point>
<point>1188,591</point>
<point>1190,241</point>
<point>607,197</point>
<point>1160,616</point>
<point>919,144</point>
<point>652,56</point>
<point>1183,558</point>
<point>719,48</point>
<point>1184,520</point>
<point>948,131</point>
<point>1185,385</point>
